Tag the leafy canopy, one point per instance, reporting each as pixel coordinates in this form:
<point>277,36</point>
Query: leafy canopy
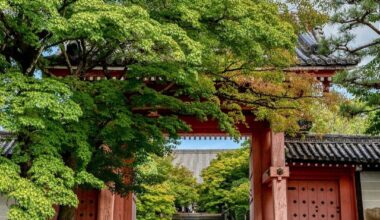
<point>165,187</point>
<point>226,185</point>
<point>73,133</point>
<point>351,18</point>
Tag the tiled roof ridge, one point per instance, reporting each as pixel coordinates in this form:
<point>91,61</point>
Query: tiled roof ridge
<point>308,53</point>
<point>336,138</point>
<point>5,133</point>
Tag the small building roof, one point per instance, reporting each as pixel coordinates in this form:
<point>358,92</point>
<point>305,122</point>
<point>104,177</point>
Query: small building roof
<point>195,160</point>
<point>7,143</point>
<point>309,148</point>
<point>333,148</point>
<point>309,54</point>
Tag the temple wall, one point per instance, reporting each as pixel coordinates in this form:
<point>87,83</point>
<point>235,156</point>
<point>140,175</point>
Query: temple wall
<point>3,207</point>
<point>370,182</point>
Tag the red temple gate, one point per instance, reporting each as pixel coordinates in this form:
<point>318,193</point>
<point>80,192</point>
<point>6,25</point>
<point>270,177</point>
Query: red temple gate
<point>309,193</point>
<point>268,176</point>
<point>272,197</point>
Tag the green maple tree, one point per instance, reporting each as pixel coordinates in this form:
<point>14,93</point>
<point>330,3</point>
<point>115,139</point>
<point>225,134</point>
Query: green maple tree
<point>165,188</point>
<point>88,132</point>
<point>225,187</point>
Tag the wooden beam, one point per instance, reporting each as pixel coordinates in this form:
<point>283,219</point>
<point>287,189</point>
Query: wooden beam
<point>279,189</point>
<point>119,211</point>
<point>348,209</point>
<point>275,172</point>
<point>278,149</point>
<point>260,161</point>
<point>106,205</point>
<point>130,205</point>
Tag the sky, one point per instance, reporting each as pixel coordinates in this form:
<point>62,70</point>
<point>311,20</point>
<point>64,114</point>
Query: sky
<point>202,144</point>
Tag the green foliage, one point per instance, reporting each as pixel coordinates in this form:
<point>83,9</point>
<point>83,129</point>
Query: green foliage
<point>156,203</point>
<point>36,176</point>
<point>226,185</point>
<point>206,53</point>
<point>164,187</point>
<point>330,120</point>
<point>352,17</point>
<point>303,14</point>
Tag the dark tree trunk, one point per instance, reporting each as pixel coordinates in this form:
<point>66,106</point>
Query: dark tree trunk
<point>66,213</point>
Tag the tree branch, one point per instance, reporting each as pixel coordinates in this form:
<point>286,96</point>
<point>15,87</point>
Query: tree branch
<point>67,59</point>
<point>354,50</point>
<point>260,94</point>
<point>370,25</point>
<point>31,68</point>
<point>66,3</point>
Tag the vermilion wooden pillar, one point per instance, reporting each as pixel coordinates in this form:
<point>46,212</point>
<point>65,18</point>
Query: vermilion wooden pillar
<point>106,205</point>
<point>115,207</point>
<point>268,175</point>
<point>124,208</point>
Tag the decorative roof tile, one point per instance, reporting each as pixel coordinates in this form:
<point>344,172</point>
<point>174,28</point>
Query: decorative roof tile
<point>308,53</point>
<point>7,143</point>
<point>333,148</point>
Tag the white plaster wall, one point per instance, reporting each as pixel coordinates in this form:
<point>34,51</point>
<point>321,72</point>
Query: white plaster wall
<point>3,207</point>
<point>370,181</point>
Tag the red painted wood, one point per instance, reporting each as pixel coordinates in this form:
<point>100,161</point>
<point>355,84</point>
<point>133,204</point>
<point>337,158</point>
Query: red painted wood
<point>348,199</point>
<point>279,188</point>
<point>293,203</point>
<point>119,212</point>
<point>56,212</point>
<point>313,200</point>
<point>124,207</point>
<point>329,193</point>
<point>106,205</point>
<point>260,161</point>
<point>211,127</point>
<point>332,199</point>
<point>280,208</point>
<point>269,201</point>
<point>303,211</point>
<point>88,204</point>
<point>268,150</point>
<point>278,149</point>
<point>130,204</point>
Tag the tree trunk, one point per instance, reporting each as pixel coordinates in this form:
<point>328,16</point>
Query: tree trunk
<point>66,213</point>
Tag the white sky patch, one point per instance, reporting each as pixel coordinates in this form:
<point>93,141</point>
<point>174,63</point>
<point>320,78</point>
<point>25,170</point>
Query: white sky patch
<point>209,144</point>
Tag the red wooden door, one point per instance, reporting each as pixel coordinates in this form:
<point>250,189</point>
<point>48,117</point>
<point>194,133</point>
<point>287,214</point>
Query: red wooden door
<point>313,200</point>
<point>88,204</point>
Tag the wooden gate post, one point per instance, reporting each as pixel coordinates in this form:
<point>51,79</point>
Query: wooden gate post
<point>268,175</point>
<point>106,205</point>
<point>278,173</point>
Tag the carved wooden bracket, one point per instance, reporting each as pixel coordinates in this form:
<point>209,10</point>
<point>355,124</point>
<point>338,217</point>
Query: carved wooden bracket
<point>275,172</point>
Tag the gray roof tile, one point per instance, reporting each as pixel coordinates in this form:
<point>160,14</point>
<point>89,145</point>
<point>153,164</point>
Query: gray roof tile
<point>7,143</point>
<point>195,160</point>
<point>333,148</point>
<point>308,53</point>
